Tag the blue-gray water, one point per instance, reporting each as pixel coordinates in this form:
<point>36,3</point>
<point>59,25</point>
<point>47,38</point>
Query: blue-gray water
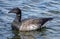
<point>30,8</point>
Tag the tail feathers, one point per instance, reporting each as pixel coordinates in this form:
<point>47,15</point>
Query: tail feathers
<point>44,20</point>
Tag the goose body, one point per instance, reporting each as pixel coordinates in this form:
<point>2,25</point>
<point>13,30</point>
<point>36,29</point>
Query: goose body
<point>27,24</point>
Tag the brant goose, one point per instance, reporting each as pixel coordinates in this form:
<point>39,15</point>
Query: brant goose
<point>27,24</point>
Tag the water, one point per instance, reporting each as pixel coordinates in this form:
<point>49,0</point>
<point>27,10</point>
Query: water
<point>30,8</point>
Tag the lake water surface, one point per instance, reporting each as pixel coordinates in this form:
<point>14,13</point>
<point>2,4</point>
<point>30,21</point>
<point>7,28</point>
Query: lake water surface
<point>30,8</point>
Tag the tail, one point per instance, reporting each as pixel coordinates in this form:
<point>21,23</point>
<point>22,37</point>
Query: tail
<point>44,20</point>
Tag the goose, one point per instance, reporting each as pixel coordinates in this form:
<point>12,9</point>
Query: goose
<point>28,24</point>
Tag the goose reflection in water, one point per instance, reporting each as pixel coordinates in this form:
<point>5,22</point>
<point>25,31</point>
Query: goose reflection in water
<point>41,33</point>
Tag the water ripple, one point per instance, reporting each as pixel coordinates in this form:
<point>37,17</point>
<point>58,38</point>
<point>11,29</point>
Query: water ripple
<point>31,8</point>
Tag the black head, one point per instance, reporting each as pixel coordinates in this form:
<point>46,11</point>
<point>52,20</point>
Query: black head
<point>15,10</point>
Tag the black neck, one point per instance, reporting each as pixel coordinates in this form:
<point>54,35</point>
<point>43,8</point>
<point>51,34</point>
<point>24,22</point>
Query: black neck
<point>19,17</point>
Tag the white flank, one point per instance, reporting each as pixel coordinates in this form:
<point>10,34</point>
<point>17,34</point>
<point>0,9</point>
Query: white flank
<point>30,27</point>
